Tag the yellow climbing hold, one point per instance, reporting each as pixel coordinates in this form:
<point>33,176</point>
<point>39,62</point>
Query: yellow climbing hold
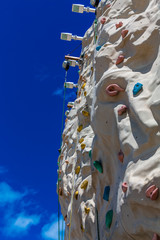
<point>87,210</point>
<point>80,128</point>
<point>82,228</point>
<point>81,140</point>
<point>84,184</point>
<point>85,113</point>
<point>83,146</point>
<point>83,86</point>
<point>85,93</point>
<point>76,195</point>
<point>77,170</point>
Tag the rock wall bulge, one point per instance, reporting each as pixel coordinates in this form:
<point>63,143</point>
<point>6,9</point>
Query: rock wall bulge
<point>110,157</point>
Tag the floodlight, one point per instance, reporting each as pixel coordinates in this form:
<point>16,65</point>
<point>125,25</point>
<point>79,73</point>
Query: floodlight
<point>81,8</point>
<point>69,37</point>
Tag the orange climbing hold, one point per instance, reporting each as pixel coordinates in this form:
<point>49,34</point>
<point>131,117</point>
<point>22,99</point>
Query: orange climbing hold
<point>124,33</point>
<point>120,59</point>
<point>79,129</point>
<point>83,86</point>
<point>76,195</point>
<point>124,187</point>
<point>118,25</point>
<point>85,113</point>
<point>81,140</point>
<point>60,191</point>
<point>103,20</point>
<point>152,192</point>
<point>67,161</point>
<point>122,110</point>
<point>114,89</point>
<point>77,170</point>
<point>84,184</point>
<point>121,156</point>
<point>68,224</point>
<point>61,156</point>
<point>85,93</point>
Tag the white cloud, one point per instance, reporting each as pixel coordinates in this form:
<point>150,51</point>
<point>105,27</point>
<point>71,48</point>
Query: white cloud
<point>50,230</point>
<point>20,225</point>
<point>8,195</point>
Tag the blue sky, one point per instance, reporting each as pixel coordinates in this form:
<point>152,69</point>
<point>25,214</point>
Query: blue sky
<point>31,90</point>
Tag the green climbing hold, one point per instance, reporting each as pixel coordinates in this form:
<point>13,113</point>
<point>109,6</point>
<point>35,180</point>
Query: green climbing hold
<point>95,21</point>
<point>109,217</point>
<point>59,179</point>
<point>98,166</point>
<point>90,153</point>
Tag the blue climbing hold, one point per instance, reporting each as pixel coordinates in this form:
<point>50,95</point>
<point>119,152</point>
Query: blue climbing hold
<point>90,154</point>
<point>137,88</point>
<point>98,166</point>
<point>98,48</point>
<point>106,193</point>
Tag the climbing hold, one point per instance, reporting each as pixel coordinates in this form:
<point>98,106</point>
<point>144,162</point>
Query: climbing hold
<point>109,217</point>
<point>59,179</point>
<point>59,150</point>
<point>83,86</point>
<point>61,156</point>
<point>98,166</point>
<point>118,25</point>
<point>67,161</point>
<point>82,228</point>
<point>106,193</point>
<point>65,218</point>
<point>66,65</point>
<point>90,153</point>
<point>124,187</point>
<point>87,210</point>
<point>83,146</point>
<point>124,33</point>
<point>103,20</point>
<point>155,237</point>
<point>137,88</point>
<point>68,224</point>
<point>120,59</point>
<point>76,195</point>
<point>79,129</point>
<point>85,113</point>
<point>70,104</point>
<point>59,171</point>
<point>60,191</point>
<point>77,170</point>
<point>121,156</point>
<point>66,113</point>
<point>152,192</point>
<point>98,48</point>
<point>84,184</point>
<point>79,94</point>
<point>68,193</point>
<point>114,89</point>
<point>66,120</point>
<point>85,93</point>
<point>81,140</point>
<point>122,110</point>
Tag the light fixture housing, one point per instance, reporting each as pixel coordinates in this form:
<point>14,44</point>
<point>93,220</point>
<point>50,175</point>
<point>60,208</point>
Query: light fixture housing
<point>69,37</point>
<point>79,8</point>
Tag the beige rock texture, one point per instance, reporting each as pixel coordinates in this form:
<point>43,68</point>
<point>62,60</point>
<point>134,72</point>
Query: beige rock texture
<point>94,124</point>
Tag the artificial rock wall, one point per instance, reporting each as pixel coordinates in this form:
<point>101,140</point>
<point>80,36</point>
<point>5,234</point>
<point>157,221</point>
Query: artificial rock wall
<point>110,156</point>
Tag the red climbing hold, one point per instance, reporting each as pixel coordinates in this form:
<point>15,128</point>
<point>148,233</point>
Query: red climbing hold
<point>118,25</point>
<point>122,110</point>
<point>152,192</point>
<point>120,59</point>
<point>121,156</point>
<point>103,20</point>
<point>155,237</point>
<point>113,90</point>
<point>124,187</point>
<point>124,33</point>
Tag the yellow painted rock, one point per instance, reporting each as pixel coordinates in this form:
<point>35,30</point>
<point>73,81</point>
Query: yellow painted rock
<point>87,210</point>
<point>81,140</point>
<point>76,195</point>
<point>84,184</point>
<point>85,113</point>
<point>85,93</point>
<point>80,128</point>
<point>77,170</point>
<point>83,86</point>
<point>83,146</point>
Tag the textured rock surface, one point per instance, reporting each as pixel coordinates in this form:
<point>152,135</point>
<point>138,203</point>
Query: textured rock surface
<point>136,132</point>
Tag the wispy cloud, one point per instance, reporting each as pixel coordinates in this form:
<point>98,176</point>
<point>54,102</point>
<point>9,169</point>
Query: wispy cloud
<point>50,230</point>
<point>20,225</point>
<point>8,195</point>
<point>60,92</point>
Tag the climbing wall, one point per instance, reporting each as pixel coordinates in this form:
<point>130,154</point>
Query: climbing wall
<point>110,156</point>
